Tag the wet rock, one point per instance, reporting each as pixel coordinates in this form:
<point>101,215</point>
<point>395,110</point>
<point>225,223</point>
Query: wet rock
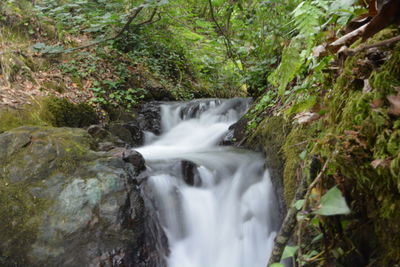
<point>236,133</point>
<point>129,132</point>
<point>149,117</point>
<point>135,158</point>
<point>97,131</point>
<point>118,129</point>
<point>63,204</point>
<point>106,146</point>
<point>189,173</point>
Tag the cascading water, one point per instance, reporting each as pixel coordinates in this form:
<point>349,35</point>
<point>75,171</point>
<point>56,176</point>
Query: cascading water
<point>215,203</point>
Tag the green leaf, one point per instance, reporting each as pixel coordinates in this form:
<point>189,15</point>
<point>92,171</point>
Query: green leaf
<point>299,204</point>
<point>303,154</point>
<point>38,46</point>
<point>289,252</point>
<point>333,203</point>
<point>277,265</point>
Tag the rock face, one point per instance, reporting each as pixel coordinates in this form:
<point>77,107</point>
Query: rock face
<point>63,204</point>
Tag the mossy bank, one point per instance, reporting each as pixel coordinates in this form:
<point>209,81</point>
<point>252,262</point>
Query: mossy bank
<point>357,129</point>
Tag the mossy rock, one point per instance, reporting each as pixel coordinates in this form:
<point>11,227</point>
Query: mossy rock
<point>270,136</point>
<point>63,204</point>
<point>11,118</point>
<point>62,113</point>
<point>50,111</point>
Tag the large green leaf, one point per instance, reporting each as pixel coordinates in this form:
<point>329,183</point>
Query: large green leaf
<point>289,252</point>
<point>333,203</point>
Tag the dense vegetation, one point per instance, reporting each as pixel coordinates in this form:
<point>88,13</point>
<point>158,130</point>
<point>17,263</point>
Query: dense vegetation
<point>339,110</point>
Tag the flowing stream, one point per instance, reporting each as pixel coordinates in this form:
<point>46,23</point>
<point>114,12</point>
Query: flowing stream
<point>216,203</point>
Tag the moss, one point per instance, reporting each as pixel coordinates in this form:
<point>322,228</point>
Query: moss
<point>358,133</point>
<point>48,111</point>
<point>60,112</point>
<point>270,136</point>
<point>295,143</point>
<point>303,105</point>
<point>362,140</point>
<point>13,118</point>
<point>20,214</point>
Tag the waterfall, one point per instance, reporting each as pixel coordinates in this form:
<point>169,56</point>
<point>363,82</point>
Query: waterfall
<point>216,203</point>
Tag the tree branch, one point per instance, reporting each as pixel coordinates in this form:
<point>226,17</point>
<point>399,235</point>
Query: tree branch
<point>347,39</point>
<point>289,223</point>
<point>128,23</point>
<point>387,42</point>
<point>227,41</point>
<point>126,27</point>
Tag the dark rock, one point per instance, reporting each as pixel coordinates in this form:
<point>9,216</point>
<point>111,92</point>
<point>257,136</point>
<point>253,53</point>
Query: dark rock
<point>189,173</point>
<point>105,146</point>
<point>118,129</point>
<point>63,204</point>
<point>149,117</point>
<point>97,131</point>
<point>129,132</point>
<point>136,132</point>
<point>236,133</point>
<point>135,158</point>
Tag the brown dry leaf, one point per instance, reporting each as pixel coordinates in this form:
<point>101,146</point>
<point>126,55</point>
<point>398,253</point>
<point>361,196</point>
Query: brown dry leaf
<point>367,87</point>
<point>394,104</point>
<point>306,117</point>
<point>381,163</point>
<point>376,103</point>
<point>320,51</point>
<point>350,132</point>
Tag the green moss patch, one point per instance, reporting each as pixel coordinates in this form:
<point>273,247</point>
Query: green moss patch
<point>60,112</point>
<point>20,215</point>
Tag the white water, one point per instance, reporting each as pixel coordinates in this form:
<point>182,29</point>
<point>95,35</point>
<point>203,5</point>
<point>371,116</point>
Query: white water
<point>227,218</point>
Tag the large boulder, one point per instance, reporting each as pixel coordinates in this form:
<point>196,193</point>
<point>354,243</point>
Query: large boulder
<point>63,204</point>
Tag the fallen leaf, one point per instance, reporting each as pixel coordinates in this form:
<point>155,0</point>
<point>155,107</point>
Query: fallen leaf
<point>306,117</point>
<point>376,103</point>
<point>381,162</point>
<point>375,164</point>
<point>320,51</point>
<point>394,104</point>
<point>367,86</point>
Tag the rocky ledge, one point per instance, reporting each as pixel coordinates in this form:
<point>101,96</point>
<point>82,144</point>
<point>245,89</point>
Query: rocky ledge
<point>62,203</point>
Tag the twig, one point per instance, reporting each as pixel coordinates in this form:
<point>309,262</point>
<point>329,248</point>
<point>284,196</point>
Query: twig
<point>126,27</point>
<point>288,225</point>
<point>305,206</point>
<point>347,39</point>
<point>289,222</point>
<point>387,42</point>
<point>227,41</point>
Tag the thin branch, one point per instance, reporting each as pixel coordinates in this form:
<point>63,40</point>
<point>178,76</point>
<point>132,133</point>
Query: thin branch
<point>289,223</point>
<point>131,18</point>
<point>387,42</point>
<point>126,27</point>
<point>305,206</point>
<point>227,41</point>
<point>347,39</point>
